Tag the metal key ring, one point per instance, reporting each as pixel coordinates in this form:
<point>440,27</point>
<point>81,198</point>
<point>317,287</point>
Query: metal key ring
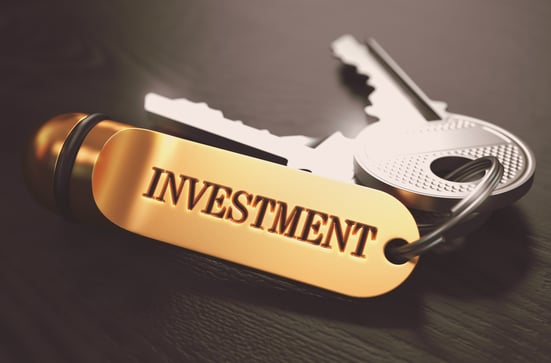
<point>462,210</point>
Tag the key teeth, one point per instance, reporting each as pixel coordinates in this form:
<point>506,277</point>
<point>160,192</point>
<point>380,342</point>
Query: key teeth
<point>203,107</point>
<point>353,53</point>
<point>347,58</point>
<point>198,110</point>
<point>202,117</point>
<point>208,112</point>
<point>369,112</point>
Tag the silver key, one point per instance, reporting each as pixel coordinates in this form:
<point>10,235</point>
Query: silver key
<point>403,154</point>
<point>199,122</point>
<point>416,141</point>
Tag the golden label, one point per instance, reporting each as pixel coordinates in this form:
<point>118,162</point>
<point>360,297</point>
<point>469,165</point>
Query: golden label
<point>252,212</point>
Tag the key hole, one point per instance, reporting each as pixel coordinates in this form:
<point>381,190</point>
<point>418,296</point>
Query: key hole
<point>446,164</point>
<point>390,255</point>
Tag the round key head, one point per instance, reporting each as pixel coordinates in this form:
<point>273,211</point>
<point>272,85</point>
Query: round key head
<point>412,162</point>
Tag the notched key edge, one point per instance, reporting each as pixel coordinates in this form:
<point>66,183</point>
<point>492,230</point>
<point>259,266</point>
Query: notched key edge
<point>188,132</point>
<point>350,52</point>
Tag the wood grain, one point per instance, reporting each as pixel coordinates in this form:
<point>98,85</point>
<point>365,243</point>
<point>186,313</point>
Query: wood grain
<point>78,293</point>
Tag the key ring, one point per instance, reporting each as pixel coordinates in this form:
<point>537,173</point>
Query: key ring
<point>462,210</point>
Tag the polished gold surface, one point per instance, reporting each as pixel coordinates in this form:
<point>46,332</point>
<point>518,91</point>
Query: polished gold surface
<point>249,211</point>
<point>42,155</point>
<point>82,201</point>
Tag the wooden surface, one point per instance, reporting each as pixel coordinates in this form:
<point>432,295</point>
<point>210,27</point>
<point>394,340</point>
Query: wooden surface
<point>78,293</point>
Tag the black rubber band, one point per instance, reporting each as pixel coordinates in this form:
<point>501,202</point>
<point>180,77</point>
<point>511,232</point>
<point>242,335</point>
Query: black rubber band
<point>66,161</point>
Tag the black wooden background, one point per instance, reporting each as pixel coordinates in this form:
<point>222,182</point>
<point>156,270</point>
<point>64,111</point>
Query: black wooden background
<point>78,293</point>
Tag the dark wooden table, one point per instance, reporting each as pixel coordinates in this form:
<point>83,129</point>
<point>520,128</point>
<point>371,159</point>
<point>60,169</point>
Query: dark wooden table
<point>77,293</point>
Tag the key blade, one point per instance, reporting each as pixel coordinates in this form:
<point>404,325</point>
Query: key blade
<point>396,98</point>
<point>339,149</point>
<point>301,139</point>
<point>425,105</point>
<point>208,121</point>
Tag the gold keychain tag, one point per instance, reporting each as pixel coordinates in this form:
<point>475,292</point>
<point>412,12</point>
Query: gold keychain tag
<point>249,211</point>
